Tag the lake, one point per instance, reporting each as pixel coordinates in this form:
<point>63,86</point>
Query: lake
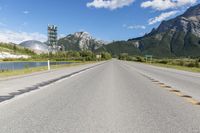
<point>23,65</point>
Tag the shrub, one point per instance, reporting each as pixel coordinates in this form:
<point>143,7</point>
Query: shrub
<point>123,56</point>
<point>139,59</point>
<point>163,61</point>
<point>106,56</point>
<point>196,63</point>
<point>191,64</point>
<point>181,63</point>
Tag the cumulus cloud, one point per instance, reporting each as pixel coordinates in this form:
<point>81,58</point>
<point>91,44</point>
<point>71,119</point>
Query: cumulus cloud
<point>109,4</point>
<point>166,4</point>
<point>162,17</point>
<point>18,37</point>
<point>134,26</point>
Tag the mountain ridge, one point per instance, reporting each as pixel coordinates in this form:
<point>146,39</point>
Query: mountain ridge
<point>80,41</point>
<point>176,37</point>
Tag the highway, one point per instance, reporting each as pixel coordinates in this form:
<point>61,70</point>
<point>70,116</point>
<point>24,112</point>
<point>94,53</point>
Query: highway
<point>114,97</point>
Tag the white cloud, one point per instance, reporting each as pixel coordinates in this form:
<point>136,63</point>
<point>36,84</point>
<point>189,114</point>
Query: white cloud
<point>162,17</point>
<point>18,37</point>
<point>134,26</point>
<point>137,27</point>
<point>109,4</point>
<point>61,36</point>
<point>166,4</point>
<point>26,12</point>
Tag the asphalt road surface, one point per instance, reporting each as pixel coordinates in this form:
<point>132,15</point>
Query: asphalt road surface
<point>111,98</point>
<point>186,82</point>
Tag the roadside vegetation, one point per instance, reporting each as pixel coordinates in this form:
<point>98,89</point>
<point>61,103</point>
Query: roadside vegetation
<point>59,56</point>
<point>76,57</point>
<point>187,64</point>
<point>72,56</point>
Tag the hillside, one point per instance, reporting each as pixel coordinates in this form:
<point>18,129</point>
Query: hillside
<point>14,51</point>
<point>116,48</point>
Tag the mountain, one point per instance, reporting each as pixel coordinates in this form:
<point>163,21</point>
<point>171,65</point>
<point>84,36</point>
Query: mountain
<point>118,47</point>
<point>176,37</point>
<point>80,41</point>
<point>173,38</point>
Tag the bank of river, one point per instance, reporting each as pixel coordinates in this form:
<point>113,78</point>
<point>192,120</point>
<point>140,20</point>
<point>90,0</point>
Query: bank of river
<point>24,65</point>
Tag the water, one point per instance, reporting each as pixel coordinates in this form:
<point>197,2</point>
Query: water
<point>23,65</point>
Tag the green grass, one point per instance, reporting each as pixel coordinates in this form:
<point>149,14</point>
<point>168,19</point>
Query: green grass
<point>184,68</point>
<point>185,64</point>
<point>72,61</point>
<point>38,69</point>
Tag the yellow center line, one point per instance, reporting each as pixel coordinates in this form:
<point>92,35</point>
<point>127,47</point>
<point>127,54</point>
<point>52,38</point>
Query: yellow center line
<point>192,101</point>
<point>176,92</point>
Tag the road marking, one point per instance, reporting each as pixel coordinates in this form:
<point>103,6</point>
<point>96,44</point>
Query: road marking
<point>165,86</point>
<point>174,91</point>
<point>161,83</point>
<point>155,81</point>
<point>193,101</point>
<point>186,96</point>
<point>179,94</point>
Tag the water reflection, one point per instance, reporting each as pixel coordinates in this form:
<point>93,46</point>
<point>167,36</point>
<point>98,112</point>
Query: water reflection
<point>23,65</point>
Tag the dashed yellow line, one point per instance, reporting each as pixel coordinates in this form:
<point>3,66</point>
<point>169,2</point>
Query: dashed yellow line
<point>176,92</point>
<point>155,81</point>
<point>161,83</point>
<point>193,101</point>
<point>186,96</point>
<point>173,90</point>
<point>166,86</point>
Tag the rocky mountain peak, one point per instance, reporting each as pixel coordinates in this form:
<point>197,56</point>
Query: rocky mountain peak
<point>80,41</point>
<point>83,35</point>
<point>189,22</point>
<point>192,12</point>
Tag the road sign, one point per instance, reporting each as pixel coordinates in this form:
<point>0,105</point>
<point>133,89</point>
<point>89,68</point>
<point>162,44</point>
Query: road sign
<point>149,57</point>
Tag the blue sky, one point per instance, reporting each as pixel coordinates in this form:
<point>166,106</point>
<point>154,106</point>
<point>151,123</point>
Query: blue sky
<point>108,20</point>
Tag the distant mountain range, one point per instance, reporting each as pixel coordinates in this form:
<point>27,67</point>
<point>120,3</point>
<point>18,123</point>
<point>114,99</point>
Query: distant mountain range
<point>176,37</point>
<point>80,41</point>
<point>173,38</point>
